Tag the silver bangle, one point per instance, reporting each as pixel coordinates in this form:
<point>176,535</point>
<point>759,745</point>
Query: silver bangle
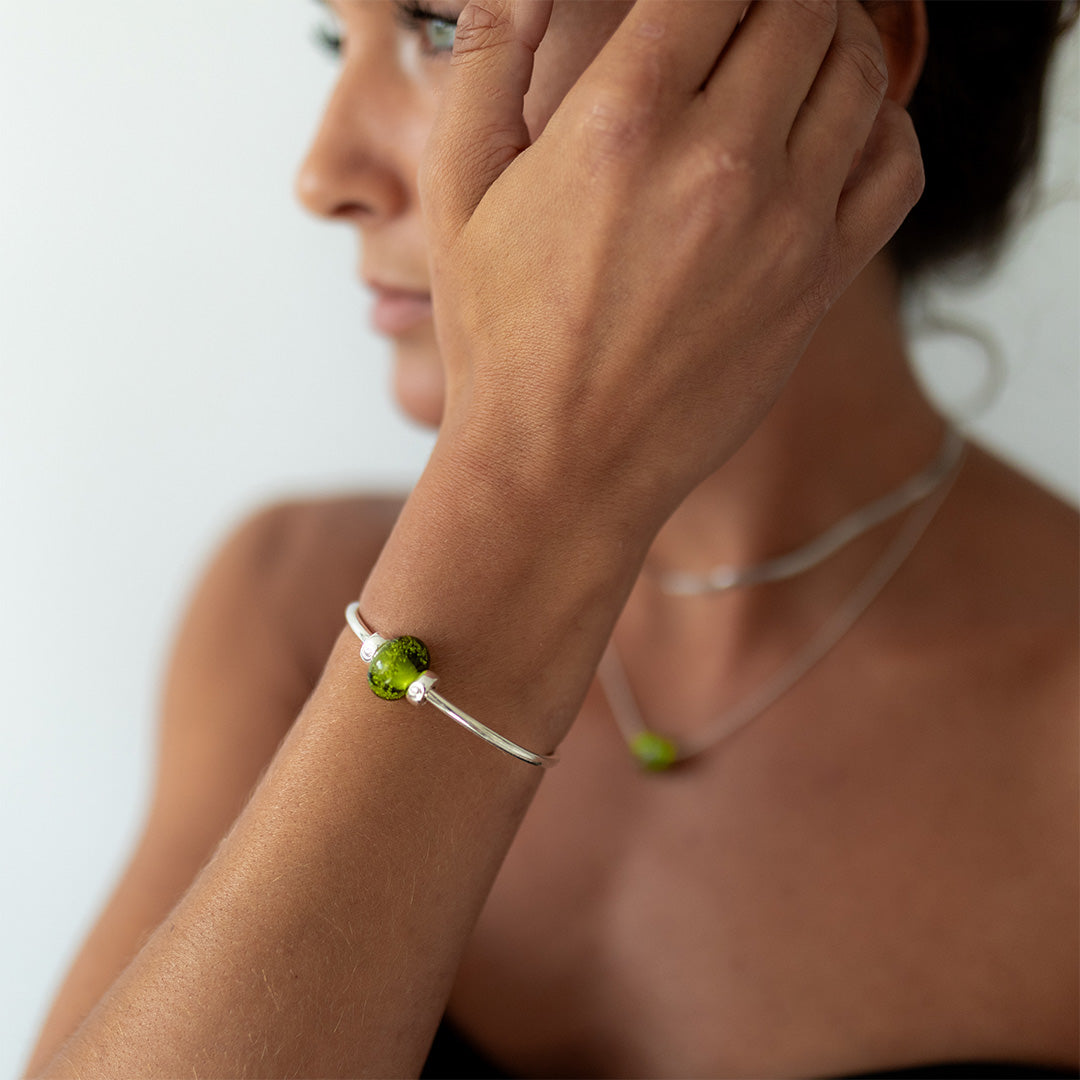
<point>421,688</point>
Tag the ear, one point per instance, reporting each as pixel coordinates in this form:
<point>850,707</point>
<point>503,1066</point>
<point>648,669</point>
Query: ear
<point>902,26</point>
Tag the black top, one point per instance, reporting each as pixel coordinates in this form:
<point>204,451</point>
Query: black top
<point>452,1057</point>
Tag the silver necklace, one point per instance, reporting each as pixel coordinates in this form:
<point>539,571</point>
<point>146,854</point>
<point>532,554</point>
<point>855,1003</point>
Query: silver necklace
<point>656,752</point>
<point>848,529</point>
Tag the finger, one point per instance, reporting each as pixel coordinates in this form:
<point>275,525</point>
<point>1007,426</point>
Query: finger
<point>666,48</point>
<point>479,128</point>
<point>772,63</point>
<point>886,185</point>
<point>836,121</point>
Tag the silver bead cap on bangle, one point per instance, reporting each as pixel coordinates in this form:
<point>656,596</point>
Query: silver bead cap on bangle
<point>418,689</point>
<point>370,646</point>
<point>422,689</point>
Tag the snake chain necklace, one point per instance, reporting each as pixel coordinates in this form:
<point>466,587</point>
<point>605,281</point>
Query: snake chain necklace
<point>928,488</point>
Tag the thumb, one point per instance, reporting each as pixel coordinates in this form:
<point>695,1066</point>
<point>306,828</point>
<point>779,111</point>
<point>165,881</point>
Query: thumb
<point>479,128</point>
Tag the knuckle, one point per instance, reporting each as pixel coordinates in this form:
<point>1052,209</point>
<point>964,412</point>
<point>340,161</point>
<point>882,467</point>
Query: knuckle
<point>867,65</point>
<point>481,25</point>
<point>819,13</point>
<point>644,77</point>
<point>730,183</point>
<point>796,237</point>
<point>639,68</point>
<point>489,151</point>
<point>907,160</point>
<point>733,156</point>
<point>735,180</point>
<point>733,162</point>
<point>913,176</point>
<point>725,169</point>
<point>614,128</point>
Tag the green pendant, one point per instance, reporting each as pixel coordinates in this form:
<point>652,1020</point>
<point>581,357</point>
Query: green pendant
<point>396,665</point>
<point>654,752</point>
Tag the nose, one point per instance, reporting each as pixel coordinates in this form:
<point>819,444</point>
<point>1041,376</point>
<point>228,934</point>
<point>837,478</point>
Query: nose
<point>355,168</point>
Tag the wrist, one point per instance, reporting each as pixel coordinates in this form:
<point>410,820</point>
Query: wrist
<point>578,474</point>
<point>513,590</point>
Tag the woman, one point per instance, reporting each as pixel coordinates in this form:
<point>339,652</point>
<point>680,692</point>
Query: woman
<point>643,287</point>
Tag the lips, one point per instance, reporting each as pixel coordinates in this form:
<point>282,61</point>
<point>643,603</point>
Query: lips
<point>397,311</point>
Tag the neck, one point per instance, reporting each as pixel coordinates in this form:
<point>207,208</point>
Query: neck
<point>851,425</point>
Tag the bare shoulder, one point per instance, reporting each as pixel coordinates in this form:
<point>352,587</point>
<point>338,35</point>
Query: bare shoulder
<point>1018,525</point>
<point>987,678</point>
<point>1013,568</point>
<point>1008,560</point>
<point>993,624</point>
<point>352,528</point>
<point>265,615</point>
<point>1026,546</point>
<point>299,562</point>
<point>1012,571</point>
<point>252,645</point>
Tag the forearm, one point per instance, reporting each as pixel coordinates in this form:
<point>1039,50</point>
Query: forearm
<point>323,937</point>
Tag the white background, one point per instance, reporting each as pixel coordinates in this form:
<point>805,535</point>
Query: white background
<point>179,344</point>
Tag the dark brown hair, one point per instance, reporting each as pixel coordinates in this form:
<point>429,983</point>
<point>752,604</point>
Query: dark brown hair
<point>978,112</point>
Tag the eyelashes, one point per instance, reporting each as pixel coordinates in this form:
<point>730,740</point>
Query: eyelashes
<point>434,31</point>
<point>327,35</point>
<point>329,40</point>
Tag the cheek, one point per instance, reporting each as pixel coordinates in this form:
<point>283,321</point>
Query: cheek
<point>410,61</point>
<point>415,123</point>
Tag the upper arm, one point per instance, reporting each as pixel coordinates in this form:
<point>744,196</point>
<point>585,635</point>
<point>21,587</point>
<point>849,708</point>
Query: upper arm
<point>251,644</point>
<point>251,648</point>
<point>233,686</point>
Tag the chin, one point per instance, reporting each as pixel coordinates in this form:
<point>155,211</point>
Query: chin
<point>419,388</point>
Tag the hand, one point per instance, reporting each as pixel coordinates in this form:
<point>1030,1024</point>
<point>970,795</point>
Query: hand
<point>620,302</point>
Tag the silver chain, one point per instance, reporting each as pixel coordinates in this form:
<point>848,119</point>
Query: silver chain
<point>611,674</point>
<point>791,563</point>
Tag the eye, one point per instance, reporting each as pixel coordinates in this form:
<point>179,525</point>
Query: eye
<point>436,31</point>
<point>330,40</point>
<point>328,33</point>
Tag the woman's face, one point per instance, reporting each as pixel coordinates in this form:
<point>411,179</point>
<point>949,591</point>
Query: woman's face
<point>362,166</point>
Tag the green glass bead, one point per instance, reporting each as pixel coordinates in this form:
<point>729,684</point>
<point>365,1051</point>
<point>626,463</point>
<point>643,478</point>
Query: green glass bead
<point>397,664</point>
<point>653,751</point>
